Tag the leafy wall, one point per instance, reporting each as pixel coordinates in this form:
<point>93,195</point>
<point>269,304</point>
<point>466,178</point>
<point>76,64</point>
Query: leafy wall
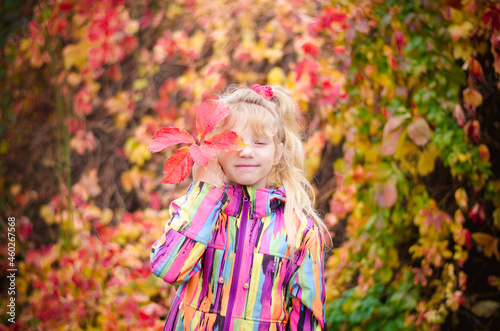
<point>403,142</point>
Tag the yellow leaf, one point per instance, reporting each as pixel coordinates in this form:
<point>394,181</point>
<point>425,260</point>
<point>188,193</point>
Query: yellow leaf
<point>140,155</point>
<point>489,243</point>
<point>461,198</point>
<point>107,216</point>
<point>472,97</point>
<point>25,44</point>
<point>496,218</point>
<point>463,157</point>
<point>75,55</point>
<point>458,31</point>
<point>91,212</point>
<point>276,76</point>
<point>47,213</point>
<point>127,179</point>
<point>197,41</point>
<point>140,84</point>
<point>74,79</point>
<point>87,271</point>
<point>132,27</point>
<point>335,133</point>
<point>494,281</point>
<point>485,308</point>
<point>456,15</point>
<point>462,50</point>
<point>426,163</point>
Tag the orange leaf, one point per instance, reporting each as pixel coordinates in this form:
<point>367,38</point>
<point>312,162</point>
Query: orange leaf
<point>166,137</point>
<point>472,97</point>
<point>419,131</point>
<point>475,68</point>
<point>209,114</point>
<point>178,166</point>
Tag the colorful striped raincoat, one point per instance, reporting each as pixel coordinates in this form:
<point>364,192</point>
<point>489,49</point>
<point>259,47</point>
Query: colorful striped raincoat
<point>227,251</point>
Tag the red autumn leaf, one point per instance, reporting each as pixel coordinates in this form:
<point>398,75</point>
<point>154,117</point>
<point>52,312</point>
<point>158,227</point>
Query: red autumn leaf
<point>472,129</point>
<point>400,40</point>
<point>178,166</point>
<point>202,154</point>
<point>209,114</point>
<point>477,213</point>
<point>459,115</point>
<point>166,137</point>
<point>225,141</point>
<point>310,48</point>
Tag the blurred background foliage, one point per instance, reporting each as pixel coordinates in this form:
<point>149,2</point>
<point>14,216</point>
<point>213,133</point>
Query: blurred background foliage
<point>403,140</point>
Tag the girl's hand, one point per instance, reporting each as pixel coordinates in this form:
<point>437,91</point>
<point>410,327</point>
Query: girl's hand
<point>213,174</point>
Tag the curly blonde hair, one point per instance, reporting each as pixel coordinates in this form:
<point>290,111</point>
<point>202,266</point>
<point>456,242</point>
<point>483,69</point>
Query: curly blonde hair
<point>280,118</point>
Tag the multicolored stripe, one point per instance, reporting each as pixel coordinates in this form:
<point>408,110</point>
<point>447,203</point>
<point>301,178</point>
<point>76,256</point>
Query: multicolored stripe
<point>227,251</point>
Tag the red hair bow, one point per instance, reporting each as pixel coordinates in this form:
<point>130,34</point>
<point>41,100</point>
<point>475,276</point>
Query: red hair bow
<point>265,90</point>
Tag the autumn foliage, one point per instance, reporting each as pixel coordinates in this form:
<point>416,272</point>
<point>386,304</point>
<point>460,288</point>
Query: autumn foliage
<point>403,140</point>
<point>178,166</point>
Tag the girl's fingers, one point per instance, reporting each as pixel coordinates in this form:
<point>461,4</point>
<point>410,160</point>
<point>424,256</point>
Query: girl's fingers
<point>212,174</point>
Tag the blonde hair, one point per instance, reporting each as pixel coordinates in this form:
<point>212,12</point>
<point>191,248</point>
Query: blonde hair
<point>288,122</point>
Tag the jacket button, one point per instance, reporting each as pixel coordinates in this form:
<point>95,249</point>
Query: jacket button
<point>245,286</point>
<point>221,280</point>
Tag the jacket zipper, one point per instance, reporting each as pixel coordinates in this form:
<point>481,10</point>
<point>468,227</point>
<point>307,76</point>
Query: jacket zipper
<point>237,261</point>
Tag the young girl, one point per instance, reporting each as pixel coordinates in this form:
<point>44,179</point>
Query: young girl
<point>244,246</point>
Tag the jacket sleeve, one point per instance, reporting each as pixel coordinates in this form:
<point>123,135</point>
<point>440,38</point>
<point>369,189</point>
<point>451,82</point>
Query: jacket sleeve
<point>175,256</point>
<point>307,287</point>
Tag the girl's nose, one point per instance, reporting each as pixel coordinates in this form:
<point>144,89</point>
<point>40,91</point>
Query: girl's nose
<point>246,151</point>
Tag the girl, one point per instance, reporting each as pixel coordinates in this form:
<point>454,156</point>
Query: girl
<point>246,254</point>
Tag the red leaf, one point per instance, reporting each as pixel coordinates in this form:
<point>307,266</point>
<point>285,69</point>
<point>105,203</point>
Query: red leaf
<point>202,154</point>
<point>311,49</point>
<point>178,166</point>
<point>225,141</point>
<point>209,114</point>
<point>477,213</point>
<point>460,115</point>
<point>166,137</point>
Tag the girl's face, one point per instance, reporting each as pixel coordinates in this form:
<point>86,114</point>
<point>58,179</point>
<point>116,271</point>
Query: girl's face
<point>252,165</point>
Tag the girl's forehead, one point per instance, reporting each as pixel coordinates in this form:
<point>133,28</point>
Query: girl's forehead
<point>255,118</point>
<point>250,131</point>
<point>254,129</point>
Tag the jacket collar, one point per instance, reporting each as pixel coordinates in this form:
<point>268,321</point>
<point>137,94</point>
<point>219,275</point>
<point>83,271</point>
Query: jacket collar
<point>262,201</point>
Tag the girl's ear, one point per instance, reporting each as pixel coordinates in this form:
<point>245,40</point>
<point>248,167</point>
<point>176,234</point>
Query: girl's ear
<point>278,153</point>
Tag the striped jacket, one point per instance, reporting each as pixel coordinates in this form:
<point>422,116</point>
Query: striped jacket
<point>227,252</point>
